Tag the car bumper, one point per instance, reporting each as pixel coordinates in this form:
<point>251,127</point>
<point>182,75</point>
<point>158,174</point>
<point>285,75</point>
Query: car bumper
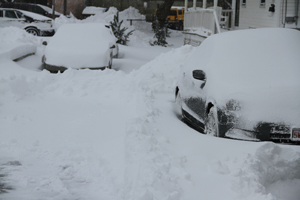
<point>50,32</point>
<point>56,69</point>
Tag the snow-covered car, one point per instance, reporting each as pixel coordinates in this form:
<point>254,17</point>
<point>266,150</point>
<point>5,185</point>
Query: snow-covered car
<point>31,7</point>
<point>80,46</point>
<point>245,85</point>
<point>33,23</point>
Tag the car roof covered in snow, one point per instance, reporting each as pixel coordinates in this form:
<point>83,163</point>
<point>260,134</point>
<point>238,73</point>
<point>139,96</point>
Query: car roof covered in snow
<point>80,45</point>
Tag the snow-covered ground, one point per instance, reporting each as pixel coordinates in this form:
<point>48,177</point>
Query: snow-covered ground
<point>114,135</point>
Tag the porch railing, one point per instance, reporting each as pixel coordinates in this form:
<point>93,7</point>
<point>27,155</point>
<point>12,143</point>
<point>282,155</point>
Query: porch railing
<point>203,20</point>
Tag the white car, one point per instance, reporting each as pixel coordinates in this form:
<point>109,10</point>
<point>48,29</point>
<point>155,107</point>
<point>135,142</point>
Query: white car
<point>80,46</point>
<point>33,23</point>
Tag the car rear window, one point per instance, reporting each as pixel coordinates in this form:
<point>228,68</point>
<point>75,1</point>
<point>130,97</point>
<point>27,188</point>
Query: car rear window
<point>10,14</point>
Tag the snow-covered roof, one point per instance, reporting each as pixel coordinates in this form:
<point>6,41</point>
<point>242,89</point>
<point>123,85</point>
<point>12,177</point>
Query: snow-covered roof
<point>93,10</point>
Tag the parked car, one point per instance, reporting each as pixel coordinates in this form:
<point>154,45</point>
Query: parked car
<point>31,7</point>
<point>33,23</point>
<point>80,46</point>
<point>244,84</point>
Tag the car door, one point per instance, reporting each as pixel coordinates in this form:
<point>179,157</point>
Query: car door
<point>12,18</point>
<point>194,96</point>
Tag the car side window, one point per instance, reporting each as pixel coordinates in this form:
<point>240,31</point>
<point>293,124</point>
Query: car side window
<point>10,14</point>
<point>1,13</point>
<point>19,14</point>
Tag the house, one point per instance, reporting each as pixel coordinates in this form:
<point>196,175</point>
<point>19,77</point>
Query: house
<point>201,22</point>
<point>269,13</point>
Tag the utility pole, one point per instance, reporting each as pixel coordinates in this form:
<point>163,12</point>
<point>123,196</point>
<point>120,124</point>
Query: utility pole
<point>53,9</point>
<point>65,7</point>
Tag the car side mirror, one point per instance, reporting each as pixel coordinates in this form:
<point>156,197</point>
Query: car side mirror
<point>45,43</point>
<point>200,75</point>
<point>113,46</point>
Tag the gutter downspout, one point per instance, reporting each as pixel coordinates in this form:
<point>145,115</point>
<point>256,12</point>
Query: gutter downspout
<point>296,12</point>
<point>233,7</point>
<point>285,13</point>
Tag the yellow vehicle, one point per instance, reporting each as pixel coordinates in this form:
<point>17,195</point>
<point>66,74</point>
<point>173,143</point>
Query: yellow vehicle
<point>175,18</point>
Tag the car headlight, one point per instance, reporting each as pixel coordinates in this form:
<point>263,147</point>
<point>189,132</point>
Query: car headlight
<point>233,105</point>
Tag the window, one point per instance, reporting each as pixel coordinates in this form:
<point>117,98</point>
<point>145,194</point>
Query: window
<point>262,3</point>
<point>243,2</point>
<point>10,14</point>
<point>1,13</point>
<point>19,14</point>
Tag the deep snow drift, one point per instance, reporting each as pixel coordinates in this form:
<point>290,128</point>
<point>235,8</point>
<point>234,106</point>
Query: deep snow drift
<point>113,134</point>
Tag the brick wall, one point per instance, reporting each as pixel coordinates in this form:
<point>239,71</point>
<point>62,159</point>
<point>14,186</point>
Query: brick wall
<point>74,6</point>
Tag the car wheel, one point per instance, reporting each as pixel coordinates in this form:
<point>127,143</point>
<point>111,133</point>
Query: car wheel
<point>32,31</point>
<point>212,124</point>
<point>178,105</point>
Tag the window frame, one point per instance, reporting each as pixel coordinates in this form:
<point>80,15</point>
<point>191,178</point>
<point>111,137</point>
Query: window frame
<point>262,3</point>
<point>244,2</point>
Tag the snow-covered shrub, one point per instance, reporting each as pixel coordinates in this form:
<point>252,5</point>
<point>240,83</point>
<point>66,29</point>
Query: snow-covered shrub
<point>161,34</point>
<point>119,32</point>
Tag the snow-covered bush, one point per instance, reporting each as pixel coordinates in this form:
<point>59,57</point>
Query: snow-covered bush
<point>161,34</point>
<point>119,32</point>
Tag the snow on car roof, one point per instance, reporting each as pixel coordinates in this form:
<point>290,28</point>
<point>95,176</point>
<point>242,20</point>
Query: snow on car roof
<point>79,45</point>
<point>34,15</point>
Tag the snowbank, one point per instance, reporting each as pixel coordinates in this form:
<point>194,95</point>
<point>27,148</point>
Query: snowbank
<point>91,135</point>
<point>16,43</point>
<point>139,38</point>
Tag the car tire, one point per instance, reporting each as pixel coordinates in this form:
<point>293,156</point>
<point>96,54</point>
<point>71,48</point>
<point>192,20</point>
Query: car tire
<point>32,31</point>
<point>211,123</point>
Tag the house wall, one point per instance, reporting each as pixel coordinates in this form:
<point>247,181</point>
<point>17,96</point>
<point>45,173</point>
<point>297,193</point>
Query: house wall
<point>253,15</point>
<point>74,6</point>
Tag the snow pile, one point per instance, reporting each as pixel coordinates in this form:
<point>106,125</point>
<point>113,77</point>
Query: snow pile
<point>92,134</point>
<point>161,74</point>
<point>272,170</point>
<point>16,43</point>
<point>139,38</point>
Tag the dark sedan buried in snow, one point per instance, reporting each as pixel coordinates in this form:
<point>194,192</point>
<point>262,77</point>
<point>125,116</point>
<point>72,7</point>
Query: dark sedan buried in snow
<point>244,85</point>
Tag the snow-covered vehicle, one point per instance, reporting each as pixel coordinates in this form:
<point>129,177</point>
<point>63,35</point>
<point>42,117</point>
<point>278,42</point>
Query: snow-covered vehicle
<point>32,7</point>
<point>80,46</point>
<point>33,23</point>
<point>244,84</point>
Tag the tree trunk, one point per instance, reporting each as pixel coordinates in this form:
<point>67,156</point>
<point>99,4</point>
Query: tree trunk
<point>163,12</point>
